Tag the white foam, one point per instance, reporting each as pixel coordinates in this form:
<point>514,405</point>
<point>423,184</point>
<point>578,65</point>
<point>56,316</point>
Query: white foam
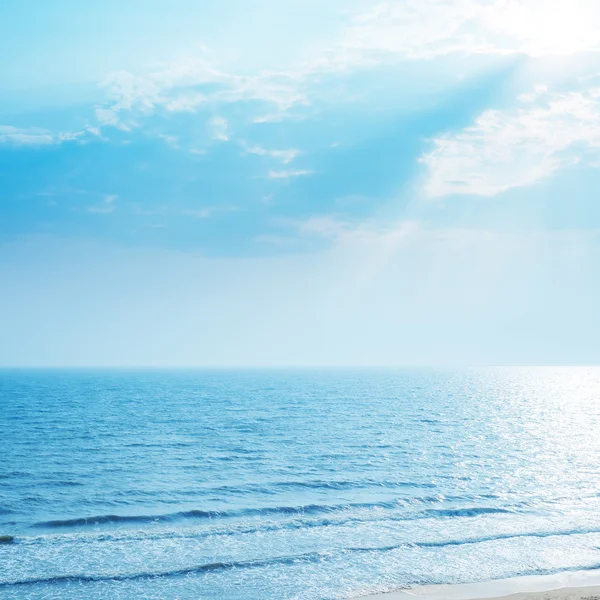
<point>494,589</point>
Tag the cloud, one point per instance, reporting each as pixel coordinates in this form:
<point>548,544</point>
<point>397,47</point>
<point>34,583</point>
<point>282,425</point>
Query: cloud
<point>327,226</point>
<point>217,127</point>
<point>25,137</point>
<point>389,32</point>
<point>183,86</point>
<point>423,29</point>
<point>396,30</point>
<point>413,29</point>
<point>69,136</point>
<point>34,136</point>
<point>285,156</point>
<point>286,174</point>
<point>208,211</point>
<point>171,140</point>
<point>102,210</point>
<point>107,205</point>
<point>185,102</point>
<point>106,116</point>
<point>200,213</point>
<point>344,232</point>
<point>518,146</point>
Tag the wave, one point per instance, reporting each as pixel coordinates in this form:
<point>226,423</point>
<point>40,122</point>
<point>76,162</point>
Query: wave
<point>505,536</point>
<point>467,512</point>
<point>322,484</point>
<point>221,566</point>
<point>218,566</point>
<point>273,487</point>
<point>299,524</point>
<point>101,520</point>
<point>309,509</point>
<point>208,514</point>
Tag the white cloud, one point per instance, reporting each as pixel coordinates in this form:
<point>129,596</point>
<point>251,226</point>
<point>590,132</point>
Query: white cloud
<point>286,174</point>
<point>285,156</point>
<point>33,136</point>
<point>185,102</point>
<point>25,137</point>
<point>516,147</point>
<point>542,27</point>
<point>328,226</point>
<point>218,127</point>
<point>394,30</point>
<point>344,232</point>
<point>107,116</point>
<point>418,29</point>
<point>414,29</point>
<point>132,91</point>
<point>69,136</point>
<point>182,87</point>
<point>358,238</point>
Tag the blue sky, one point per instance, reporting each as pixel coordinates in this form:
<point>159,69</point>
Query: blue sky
<point>286,183</point>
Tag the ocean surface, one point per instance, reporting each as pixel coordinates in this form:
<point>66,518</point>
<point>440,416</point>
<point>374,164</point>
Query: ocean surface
<point>273,485</point>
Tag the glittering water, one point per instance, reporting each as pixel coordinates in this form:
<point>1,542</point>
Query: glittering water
<point>310,485</point>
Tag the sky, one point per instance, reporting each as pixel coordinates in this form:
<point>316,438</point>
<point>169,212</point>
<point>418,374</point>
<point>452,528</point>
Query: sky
<point>299,183</point>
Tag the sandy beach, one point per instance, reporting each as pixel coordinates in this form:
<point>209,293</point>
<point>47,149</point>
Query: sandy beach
<point>582,585</point>
<point>576,593</point>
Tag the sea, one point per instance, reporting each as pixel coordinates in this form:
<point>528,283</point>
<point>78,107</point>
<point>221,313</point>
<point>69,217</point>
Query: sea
<point>311,484</point>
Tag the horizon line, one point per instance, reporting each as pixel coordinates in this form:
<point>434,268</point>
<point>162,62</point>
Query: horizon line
<point>298,366</point>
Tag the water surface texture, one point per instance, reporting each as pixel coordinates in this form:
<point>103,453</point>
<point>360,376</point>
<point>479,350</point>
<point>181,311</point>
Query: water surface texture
<point>315,485</point>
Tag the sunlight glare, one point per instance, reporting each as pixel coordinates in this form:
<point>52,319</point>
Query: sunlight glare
<point>559,26</point>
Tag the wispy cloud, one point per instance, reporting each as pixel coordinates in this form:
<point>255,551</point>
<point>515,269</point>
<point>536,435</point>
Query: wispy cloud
<point>171,140</point>
<point>518,146</point>
<point>285,156</point>
<point>218,127</point>
<point>26,137</point>
<point>107,116</point>
<point>208,211</point>
<point>185,85</point>
<point>328,226</point>
<point>35,136</point>
<point>198,213</point>
<point>286,174</point>
<point>186,102</point>
<point>345,233</point>
<point>106,206</point>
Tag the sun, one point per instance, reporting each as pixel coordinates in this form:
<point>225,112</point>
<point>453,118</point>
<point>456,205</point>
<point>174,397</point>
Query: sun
<point>559,26</point>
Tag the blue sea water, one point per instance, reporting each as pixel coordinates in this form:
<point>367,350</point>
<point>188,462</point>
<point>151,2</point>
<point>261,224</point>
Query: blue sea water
<point>310,485</point>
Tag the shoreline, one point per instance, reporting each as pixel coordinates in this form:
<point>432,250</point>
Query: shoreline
<point>566,585</point>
